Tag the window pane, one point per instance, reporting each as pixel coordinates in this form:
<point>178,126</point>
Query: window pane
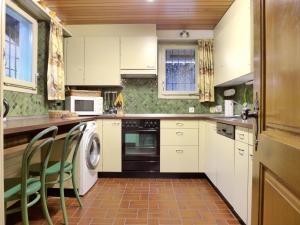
<point>18,45</point>
<point>180,70</point>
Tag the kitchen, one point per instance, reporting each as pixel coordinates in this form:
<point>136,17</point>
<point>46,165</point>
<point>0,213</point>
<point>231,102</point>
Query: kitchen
<point>150,112</point>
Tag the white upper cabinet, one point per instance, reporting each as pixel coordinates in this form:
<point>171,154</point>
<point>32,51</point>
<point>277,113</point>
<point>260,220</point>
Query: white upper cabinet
<point>93,61</point>
<point>139,55</point>
<point>102,61</point>
<point>74,61</point>
<point>233,44</point>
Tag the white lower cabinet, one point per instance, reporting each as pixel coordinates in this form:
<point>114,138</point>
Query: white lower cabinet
<point>179,159</point>
<point>100,135</point>
<point>179,146</point>
<point>185,137</point>
<point>240,203</point>
<point>112,145</point>
<point>225,166</point>
<point>201,146</point>
<point>210,146</point>
<point>250,184</point>
<point>228,165</point>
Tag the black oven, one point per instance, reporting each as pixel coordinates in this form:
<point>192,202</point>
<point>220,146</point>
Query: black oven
<point>140,145</point>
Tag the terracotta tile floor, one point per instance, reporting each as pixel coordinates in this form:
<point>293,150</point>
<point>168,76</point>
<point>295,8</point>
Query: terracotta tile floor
<point>141,201</point>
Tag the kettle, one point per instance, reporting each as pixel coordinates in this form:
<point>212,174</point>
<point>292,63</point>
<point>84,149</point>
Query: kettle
<point>6,107</point>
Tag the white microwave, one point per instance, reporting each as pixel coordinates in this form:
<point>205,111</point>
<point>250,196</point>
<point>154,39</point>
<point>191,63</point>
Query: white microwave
<point>85,106</point>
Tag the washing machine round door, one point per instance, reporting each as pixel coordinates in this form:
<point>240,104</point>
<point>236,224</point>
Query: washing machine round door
<point>93,152</point>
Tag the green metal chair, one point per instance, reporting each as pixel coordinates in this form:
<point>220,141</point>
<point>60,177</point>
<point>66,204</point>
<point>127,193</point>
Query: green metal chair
<point>64,169</point>
<point>24,187</point>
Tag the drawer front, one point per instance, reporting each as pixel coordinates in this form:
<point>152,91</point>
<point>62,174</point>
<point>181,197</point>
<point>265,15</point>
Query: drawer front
<point>179,137</point>
<point>242,134</point>
<point>241,149</point>
<point>179,159</point>
<point>179,124</point>
<point>251,137</point>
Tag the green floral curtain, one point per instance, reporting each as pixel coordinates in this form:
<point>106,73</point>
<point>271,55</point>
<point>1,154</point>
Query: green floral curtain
<point>206,71</point>
<point>55,74</point>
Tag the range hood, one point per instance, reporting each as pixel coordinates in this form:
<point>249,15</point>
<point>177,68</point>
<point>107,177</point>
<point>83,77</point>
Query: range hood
<point>138,73</point>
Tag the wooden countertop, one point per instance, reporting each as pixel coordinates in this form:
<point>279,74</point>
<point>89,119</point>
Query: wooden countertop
<point>237,121</point>
<point>19,125</point>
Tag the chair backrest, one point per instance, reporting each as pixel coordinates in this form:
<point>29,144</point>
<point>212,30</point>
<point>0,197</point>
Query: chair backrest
<point>71,145</point>
<point>42,142</point>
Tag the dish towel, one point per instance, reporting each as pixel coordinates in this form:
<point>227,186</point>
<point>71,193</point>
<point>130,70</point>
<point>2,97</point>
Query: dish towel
<point>55,73</point>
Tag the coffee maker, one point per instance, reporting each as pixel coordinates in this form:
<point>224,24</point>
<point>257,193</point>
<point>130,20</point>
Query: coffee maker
<point>109,102</point>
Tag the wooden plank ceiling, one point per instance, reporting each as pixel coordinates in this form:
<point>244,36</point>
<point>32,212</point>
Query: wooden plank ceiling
<point>167,14</point>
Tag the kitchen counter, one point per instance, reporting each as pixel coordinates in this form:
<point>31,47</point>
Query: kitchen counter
<point>237,121</point>
<point>20,125</point>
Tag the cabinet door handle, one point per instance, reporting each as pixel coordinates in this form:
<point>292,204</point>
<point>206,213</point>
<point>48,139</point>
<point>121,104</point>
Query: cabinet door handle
<point>179,124</point>
<point>179,151</point>
<point>241,151</point>
<point>116,123</point>
<point>241,136</point>
<point>179,133</point>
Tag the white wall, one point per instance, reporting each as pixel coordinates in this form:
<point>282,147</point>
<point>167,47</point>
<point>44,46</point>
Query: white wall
<point>174,35</point>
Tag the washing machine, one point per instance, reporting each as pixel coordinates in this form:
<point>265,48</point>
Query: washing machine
<point>90,155</point>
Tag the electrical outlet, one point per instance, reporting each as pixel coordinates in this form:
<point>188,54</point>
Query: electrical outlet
<point>191,109</point>
<point>219,109</point>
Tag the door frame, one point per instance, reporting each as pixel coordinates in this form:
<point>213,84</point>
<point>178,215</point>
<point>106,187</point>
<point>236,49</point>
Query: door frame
<point>2,30</point>
<point>259,89</point>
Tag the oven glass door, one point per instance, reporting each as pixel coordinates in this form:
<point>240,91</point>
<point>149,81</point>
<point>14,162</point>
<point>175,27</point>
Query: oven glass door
<point>141,144</point>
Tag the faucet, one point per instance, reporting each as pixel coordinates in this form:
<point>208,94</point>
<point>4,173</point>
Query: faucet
<point>246,110</point>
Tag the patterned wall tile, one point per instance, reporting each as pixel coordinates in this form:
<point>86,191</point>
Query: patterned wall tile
<point>141,96</point>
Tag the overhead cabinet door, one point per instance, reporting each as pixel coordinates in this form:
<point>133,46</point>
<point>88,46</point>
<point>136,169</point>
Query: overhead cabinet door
<point>74,60</point>
<point>139,53</point>
<point>102,61</point>
<point>233,43</point>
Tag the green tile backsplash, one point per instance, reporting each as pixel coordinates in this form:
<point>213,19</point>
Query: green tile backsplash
<point>22,104</point>
<point>140,95</point>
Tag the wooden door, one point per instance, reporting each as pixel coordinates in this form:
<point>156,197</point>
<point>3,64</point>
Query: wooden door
<point>276,165</point>
<point>102,61</point>
<point>2,19</point>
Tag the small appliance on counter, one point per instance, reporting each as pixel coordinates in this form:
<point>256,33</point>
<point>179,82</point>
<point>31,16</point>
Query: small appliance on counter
<point>109,102</point>
<point>229,108</point>
<point>84,102</point>
<point>6,108</point>
<point>85,106</point>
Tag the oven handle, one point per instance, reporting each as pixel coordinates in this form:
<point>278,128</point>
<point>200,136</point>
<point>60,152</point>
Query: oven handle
<point>152,130</point>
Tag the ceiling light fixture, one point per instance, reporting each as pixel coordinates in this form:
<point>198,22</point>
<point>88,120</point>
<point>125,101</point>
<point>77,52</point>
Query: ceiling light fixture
<point>150,0</point>
<point>184,34</point>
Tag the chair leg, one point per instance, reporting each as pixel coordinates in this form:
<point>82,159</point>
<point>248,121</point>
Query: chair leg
<point>44,204</point>
<point>62,202</point>
<point>75,189</point>
<point>24,210</point>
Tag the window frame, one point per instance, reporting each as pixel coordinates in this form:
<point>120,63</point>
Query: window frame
<point>162,93</point>
<point>19,85</point>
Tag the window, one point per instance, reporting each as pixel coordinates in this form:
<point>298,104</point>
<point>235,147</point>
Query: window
<point>20,50</point>
<point>178,71</point>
